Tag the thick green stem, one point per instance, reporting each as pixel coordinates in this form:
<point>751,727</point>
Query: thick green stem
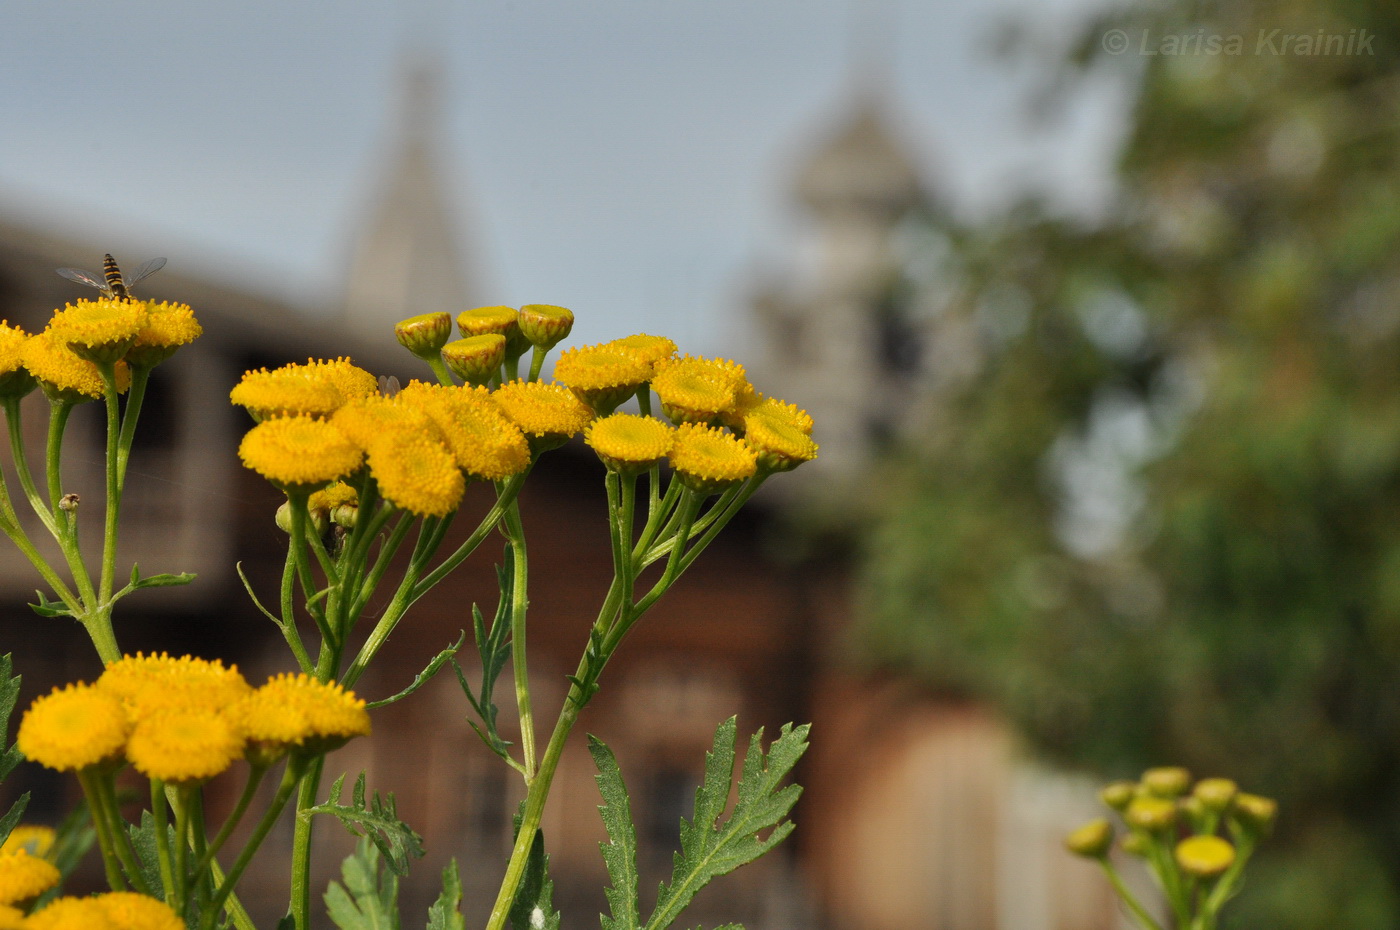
<point>162,838</point>
<point>537,362</point>
<point>300,907</point>
<point>112,513</point>
<point>519,605</point>
<point>135,395</point>
<point>440,370</point>
<point>284,791</point>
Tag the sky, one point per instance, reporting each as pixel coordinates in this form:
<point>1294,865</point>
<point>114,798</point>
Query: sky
<point>630,159</point>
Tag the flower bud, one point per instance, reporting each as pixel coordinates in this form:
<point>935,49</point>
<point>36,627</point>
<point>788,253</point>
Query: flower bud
<point>1119,794</point>
<point>1150,813</point>
<point>1134,844</point>
<point>1166,782</point>
<point>1092,841</point>
<point>1215,793</point>
<point>345,515</point>
<point>1192,807</point>
<point>475,359</point>
<point>284,518</point>
<point>502,320</point>
<point>1204,856</point>
<point>425,334</point>
<point>1254,814</point>
<point>545,325</point>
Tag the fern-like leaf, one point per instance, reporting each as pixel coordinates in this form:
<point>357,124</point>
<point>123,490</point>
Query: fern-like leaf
<point>620,854</point>
<point>378,821</point>
<point>368,899</point>
<point>445,913</point>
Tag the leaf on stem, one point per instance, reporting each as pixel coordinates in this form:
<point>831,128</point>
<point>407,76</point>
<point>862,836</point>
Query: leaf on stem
<point>143,842</point>
<point>533,907</point>
<point>164,580</point>
<point>72,841</point>
<point>48,608</point>
<point>368,899</point>
<point>377,821</point>
<point>423,677</point>
<point>711,848</point>
<point>445,913</point>
<point>620,854</point>
<point>10,757</point>
<point>493,646</point>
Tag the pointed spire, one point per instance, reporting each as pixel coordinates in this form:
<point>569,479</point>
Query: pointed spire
<point>407,258</point>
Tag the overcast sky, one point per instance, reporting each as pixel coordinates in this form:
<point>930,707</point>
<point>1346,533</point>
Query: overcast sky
<point>630,159</point>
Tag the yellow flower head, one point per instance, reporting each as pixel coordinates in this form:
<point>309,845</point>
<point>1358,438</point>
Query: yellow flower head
<point>69,913</point>
<point>281,393</point>
<point>185,744</point>
<point>37,840</point>
<point>780,445</point>
<point>699,390</point>
<point>416,473</point>
<point>545,325</point>
<point>74,728</point>
<point>602,376</point>
<point>707,459</point>
<point>12,340</point>
<point>484,443</point>
<point>23,876</point>
<point>350,381</point>
<point>100,330</point>
<point>1204,856</point>
<point>11,918</point>
<point>128,910</point>
<point>775,409</point>
<point>371,420</point>
<point>652,349</point>
<point>63,374</point>
<point>299,453</point>
<point>168,326</point>
<point>297,710</point>
<point>630,444</point>
<point>475,359</point>
<point>151,684</point>
<point>424,334</point>
<point>549,412</point>
<point>339,494</point>
<point>501,320</point>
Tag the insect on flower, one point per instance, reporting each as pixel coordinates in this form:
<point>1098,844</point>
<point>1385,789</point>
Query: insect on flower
<point>111,283</point>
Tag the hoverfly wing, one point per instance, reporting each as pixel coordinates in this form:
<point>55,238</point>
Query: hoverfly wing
<point>145,271</point>
<point>389,386</point>
<point>83,277</point>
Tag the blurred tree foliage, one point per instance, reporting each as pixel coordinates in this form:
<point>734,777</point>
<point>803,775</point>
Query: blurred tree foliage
<point>1159,520</point>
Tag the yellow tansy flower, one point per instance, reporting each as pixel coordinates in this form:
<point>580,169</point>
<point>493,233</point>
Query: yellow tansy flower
<point>74,728</point>
<point>776,409</point>
<point>475,359</point>
<point>11,918</point>
<point>501,320</point>
<point>372,420</point>
<point>12,340</point>
<point>69,913</point>
<point>780,445</point>
<point>297,710</point>
<point>352,381</point>
<point>156,683</point>
<point>128,910</point>
<point>23,877</point>
<point>652,349</point>
<point>184,745</point>
<point>416,473</point>
<point>545,325</point>
<point>628,443</point>
<point>281,393</point>
<point>35,838</point>
<point>708,459</point>
<point>698,390</point>
<point>424,334</point>
<point>100,330</point>
<point>168,326</point>
<point>602,376</point>
<point>337,495</point>
<point>549,412</point>
<point>484,443</point>
<point>299,452</point>
<point>63,374</point>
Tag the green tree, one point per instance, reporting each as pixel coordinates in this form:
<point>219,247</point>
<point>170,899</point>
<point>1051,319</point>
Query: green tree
<point>1160,522</point>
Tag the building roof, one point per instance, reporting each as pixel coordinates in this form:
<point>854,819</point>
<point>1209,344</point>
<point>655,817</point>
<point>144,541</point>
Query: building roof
<point>860,162</point>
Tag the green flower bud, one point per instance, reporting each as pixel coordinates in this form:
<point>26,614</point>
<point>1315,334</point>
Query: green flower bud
<point>425,334</point>
<point>545,325</point>
<point>17,383</point>
<point>1192,807</point>
<point>475,359</point>
<point>1215,793</point>
<point>284,518</point>
<point>1254,814</point>
<point>1119,794</point>
<point>502,320</point>
<point>1204,856</point>
<point>1092,841</point>
<point>1134,844</point>
<point>1150,813</point>
<point>1166,782</point>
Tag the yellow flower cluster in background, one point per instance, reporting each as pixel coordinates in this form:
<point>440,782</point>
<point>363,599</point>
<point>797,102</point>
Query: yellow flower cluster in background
<point>184,720</point>
<point>117,910</point>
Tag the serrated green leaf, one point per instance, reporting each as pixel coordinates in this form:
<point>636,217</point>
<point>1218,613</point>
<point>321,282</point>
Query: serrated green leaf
<point>619,855</point>
<point>369,897</point>
<point>493,647</point>
<point>9,693</point>
<point>533,907</point>
<point>445,913</point>
<point>12,816</point>
<point>377,821</point>
<point>710,848</point>
<point>143,840</point>
<point>423,677</point>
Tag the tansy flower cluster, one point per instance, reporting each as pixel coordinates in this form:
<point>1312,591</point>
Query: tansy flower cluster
<point>184,720</point>
<point>117,910</point>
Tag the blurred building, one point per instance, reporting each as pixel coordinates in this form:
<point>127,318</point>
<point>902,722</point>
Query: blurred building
<point>917,814</point>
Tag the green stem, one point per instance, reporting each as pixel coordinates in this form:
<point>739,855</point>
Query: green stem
<point>162,838</point>
<point>284,791</point>
<point>21,463</point>
<point>512,367</point>
<point>381,563</point>
<point>182,848</point>
<point>519,604</point>
<point>301,844</point>
<point>1128,897</point>
<point>440,370</point>
<point>255,777</point>
<point>504,498</point>
<point>97,804</point>
<point>121,839</point>
<point>114,493</point>
<point>688,507</point>
<point>537,362</point>
<point>135,395</point>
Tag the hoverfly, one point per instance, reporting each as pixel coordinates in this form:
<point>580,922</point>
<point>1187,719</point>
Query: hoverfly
<point>112,284</point>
